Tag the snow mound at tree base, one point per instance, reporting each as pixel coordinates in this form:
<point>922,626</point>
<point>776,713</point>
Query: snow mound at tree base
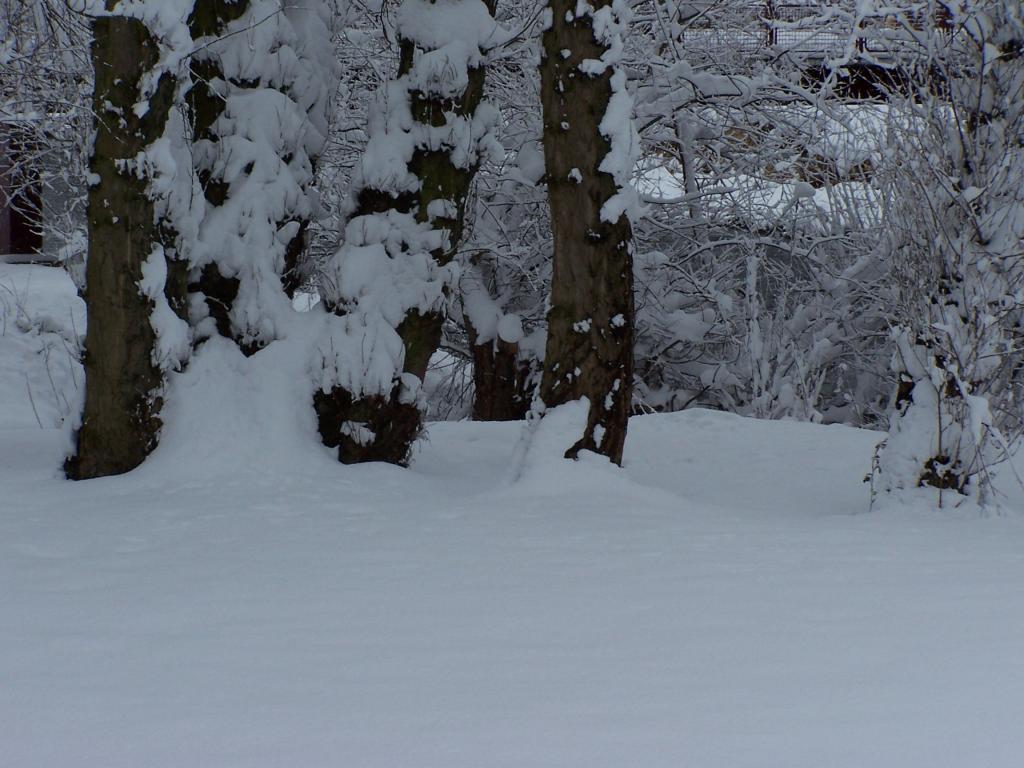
<point>228,413</point>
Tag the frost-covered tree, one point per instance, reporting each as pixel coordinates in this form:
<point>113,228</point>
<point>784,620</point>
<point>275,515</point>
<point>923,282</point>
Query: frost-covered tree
<point>757,261</point>
<point>210,115</point>
<point>590,148</point>
<point>137,214</point>
<point>958,251</point>
<point>263,74</point>
<point>388,285</point>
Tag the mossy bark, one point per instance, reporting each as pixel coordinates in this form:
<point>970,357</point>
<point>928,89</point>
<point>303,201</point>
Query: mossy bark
<point>589,349</point>
<point>123,383</point>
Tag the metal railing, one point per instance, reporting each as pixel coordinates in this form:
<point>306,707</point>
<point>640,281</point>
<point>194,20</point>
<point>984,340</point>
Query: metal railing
<point>810,29</point>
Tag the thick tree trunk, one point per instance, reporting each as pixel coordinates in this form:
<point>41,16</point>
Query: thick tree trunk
<point>589,350</point>
<point>123,380</point>
<point>441,180</point>
<point>383,426</point>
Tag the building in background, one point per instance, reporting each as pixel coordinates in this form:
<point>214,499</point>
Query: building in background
<point>36,198</point>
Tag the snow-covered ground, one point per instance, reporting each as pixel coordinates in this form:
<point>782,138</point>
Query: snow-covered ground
<point>726,600</point>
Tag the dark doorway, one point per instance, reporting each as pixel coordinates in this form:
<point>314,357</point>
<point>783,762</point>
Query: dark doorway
<point>21,196</point>
<point>26,220</point>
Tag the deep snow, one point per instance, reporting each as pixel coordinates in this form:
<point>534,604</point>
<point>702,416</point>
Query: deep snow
<point>726,600</point>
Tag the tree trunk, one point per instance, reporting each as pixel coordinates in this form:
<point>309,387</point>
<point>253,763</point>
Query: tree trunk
<point>382,426</point>
<point>124,382</point>
<point>500,391</point>
<point>208,20</point>
<point>590,324</point>
<point>261,77</point>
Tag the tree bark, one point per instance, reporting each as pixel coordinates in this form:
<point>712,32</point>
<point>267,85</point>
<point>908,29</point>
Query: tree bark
<point>500,391</point>
<point>123,389</point>
<point>589,351</point>
<point>393,420</point>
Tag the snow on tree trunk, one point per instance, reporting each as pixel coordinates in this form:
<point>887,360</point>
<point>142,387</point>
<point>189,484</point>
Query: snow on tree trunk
<point>263,71</point>
<point>957,249</point>
<point>498,382</point>
<point>589,152</point>
<point>502,378</point>
<point>388,284</point>
<point>137,211</point>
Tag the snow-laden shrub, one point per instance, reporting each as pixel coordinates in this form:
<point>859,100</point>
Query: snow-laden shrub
<point>749,326</point>
<point>957,229</point>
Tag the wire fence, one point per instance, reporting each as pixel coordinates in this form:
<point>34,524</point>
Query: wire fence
<point>814,30</point>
